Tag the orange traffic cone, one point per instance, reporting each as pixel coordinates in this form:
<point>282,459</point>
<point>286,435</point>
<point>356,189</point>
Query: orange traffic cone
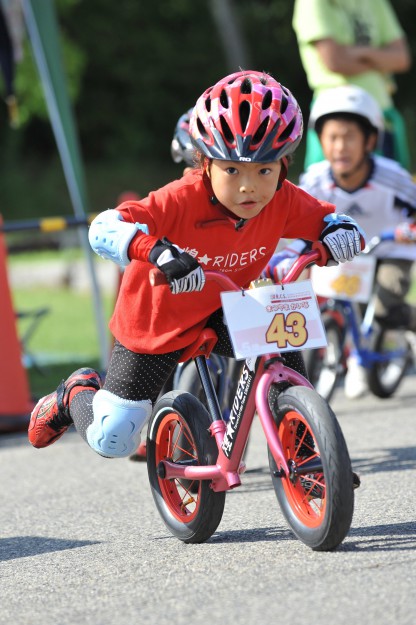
<point>15,402</point>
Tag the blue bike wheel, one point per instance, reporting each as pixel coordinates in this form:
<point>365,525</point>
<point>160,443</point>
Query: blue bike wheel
<point>326,365</point>
<point>392,358</point>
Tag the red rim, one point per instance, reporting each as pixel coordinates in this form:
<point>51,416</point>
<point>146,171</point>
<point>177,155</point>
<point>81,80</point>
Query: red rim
<point>306,494</point>
<point>174,441</point>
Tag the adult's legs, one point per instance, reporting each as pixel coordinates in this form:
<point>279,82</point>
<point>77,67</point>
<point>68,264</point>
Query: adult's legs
<point>393,280</point>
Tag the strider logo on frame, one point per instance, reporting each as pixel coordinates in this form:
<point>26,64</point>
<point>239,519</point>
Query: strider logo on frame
<point>245,384</point>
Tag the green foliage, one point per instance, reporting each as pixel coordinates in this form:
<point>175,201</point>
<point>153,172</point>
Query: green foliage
<point>29,89</point>
<point>146,65</point>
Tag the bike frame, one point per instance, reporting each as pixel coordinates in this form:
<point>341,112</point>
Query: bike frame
<point>251,395</point>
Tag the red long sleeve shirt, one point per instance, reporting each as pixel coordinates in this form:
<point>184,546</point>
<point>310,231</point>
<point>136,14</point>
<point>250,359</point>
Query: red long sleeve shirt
<point>150,319</point>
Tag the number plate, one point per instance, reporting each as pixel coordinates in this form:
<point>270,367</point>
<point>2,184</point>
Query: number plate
<point>351,281</point>
<point>273,319</point>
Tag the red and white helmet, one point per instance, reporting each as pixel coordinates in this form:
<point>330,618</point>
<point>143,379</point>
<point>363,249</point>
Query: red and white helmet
<point>247,116</point>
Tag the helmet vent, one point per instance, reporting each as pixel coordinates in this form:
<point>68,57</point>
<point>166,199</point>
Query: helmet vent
<point>261,131</point>
<point>224,99</point>
<point>201,129</point>
<point>226,130</point>
<point>245,110</point>
<point>267,100</point>
<point>284,104</point>
<point>246,86</point>
<point>287,131</point>
<point>208,104</point>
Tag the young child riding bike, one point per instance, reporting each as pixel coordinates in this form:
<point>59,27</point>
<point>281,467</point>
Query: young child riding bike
<point>374,190</point>
<point>227,215</point>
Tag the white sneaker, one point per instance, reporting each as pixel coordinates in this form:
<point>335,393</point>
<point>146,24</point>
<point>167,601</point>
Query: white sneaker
<point>355,379</point>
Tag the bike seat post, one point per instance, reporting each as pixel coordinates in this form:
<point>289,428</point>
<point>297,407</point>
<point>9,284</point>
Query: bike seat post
<point>209,389</point>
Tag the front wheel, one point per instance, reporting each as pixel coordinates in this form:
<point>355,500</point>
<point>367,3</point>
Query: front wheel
<point>395,357</point>
<point>178,431</point>
<point>317,497</point>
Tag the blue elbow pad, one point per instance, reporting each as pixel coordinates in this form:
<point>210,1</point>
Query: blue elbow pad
<point>110,236</point>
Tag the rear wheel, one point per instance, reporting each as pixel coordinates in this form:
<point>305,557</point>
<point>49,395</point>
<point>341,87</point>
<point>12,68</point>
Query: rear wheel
<point>178,431</point>
<point>317,496</point>
<point>325,365</point>
<point>385,375</point>
<point>189,380</point>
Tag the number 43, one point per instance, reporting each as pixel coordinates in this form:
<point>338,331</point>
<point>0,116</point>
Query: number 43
<point>287,331</point>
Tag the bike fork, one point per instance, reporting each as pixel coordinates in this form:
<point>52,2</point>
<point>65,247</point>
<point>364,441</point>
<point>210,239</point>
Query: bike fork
<point>275,372</point>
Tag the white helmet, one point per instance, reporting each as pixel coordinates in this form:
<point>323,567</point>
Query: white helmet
<point>347,99</point>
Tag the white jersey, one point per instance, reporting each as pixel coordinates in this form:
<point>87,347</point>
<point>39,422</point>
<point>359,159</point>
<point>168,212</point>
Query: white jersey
<point>386,200</point>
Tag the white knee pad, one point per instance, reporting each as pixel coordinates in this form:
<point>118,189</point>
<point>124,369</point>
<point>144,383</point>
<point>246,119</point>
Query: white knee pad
<point>115,431</point>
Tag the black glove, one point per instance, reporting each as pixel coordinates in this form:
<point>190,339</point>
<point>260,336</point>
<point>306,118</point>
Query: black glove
<point>183,272</point>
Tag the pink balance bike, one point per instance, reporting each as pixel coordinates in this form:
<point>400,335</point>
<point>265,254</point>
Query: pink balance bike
<point>194,457</point>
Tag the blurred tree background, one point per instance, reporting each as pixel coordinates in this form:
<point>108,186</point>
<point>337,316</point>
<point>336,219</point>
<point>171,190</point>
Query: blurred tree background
<point>133,68</point>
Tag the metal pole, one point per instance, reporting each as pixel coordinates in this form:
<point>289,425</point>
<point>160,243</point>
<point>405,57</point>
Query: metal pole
<point>225,17</point>
<point>69,172</point>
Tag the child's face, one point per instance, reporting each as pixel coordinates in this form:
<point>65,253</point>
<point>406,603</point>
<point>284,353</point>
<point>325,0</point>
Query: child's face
<point>345,147</point>
<point>244,188</point>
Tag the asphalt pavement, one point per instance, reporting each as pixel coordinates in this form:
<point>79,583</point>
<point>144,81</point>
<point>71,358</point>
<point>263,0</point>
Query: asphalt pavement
<point>81,540</point>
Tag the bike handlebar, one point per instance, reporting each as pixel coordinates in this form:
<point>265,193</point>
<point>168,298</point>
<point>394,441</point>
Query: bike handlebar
<point>391,235</point>
<point>318,255</point>
<point>374,242</point>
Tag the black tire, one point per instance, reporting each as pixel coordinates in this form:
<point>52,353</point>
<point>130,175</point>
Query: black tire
<point>192,511</point>
<point>325,366</point>
<point>318,505</point>
<point>384,377</point>
<point>189,381</point>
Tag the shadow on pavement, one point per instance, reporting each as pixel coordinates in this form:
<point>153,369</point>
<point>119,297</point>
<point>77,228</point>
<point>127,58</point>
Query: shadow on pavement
<point>26,546</point>
<point>381,460</point>
<point>389,537</point>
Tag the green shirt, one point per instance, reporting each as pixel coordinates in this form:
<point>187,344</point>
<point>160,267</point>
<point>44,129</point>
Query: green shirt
<point>348,22</point>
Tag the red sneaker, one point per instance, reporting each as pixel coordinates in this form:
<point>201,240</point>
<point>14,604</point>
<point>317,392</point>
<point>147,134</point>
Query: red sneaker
<point>140,453</point>
<point>50,417</point>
